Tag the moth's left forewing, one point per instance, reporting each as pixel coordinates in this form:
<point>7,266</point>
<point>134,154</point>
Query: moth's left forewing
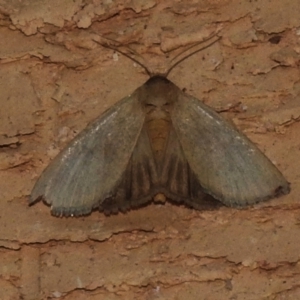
<point>227,164</point>
<point>91,166</point>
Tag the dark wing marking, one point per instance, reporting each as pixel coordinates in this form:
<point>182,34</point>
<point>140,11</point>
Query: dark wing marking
<point>178,179</point>
<point>143,179</point>
<point>138,183</point>
<point>88,170</point>
<point>225,162</point>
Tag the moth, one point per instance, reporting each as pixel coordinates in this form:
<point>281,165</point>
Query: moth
<point>158,140</point>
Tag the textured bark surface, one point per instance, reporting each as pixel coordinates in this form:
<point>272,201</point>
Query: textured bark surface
<point>55,79</point>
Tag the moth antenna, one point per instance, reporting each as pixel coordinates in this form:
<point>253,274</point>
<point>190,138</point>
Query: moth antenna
<point>196,44</point>
<point>192,53</point>
<point>134,53</point>
<point>133,57</point>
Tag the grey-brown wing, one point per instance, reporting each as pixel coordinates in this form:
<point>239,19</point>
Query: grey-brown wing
<point>88,170</point>
<point>225,162</point>
<point>177,179</point>
<point>139,182</point>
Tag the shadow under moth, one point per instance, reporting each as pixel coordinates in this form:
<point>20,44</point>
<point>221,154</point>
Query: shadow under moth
<point>158,140</point>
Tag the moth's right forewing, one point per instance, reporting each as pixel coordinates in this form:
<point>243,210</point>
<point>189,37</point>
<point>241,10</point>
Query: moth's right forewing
<point>227,164</point>
<point>91,166</point>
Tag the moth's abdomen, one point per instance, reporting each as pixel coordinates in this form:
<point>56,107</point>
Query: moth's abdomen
<point>158,132</point>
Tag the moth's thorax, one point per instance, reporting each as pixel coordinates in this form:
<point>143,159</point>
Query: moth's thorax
<point>158,96</point>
